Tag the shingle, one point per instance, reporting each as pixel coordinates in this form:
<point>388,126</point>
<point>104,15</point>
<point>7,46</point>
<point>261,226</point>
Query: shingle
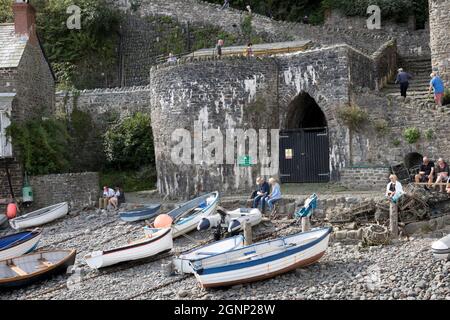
<point>11,46</point>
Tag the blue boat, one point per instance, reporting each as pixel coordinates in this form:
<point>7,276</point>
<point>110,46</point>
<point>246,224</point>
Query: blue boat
<point>143,213</point>
<point>17,244</point>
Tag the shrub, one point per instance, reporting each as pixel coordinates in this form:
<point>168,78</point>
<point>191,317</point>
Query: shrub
<point>128,144</point>
<point>381,126</point>
<point>353,117</point>
<point>396,142</point>
<point>42,145</point>
<point>446,98</point>
<point>429,134</point>
<point>411,135</point>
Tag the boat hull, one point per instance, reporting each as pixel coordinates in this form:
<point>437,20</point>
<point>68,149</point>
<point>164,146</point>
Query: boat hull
<point>22,247</point>
<point>184,225</point>
<point>441,248</point>
<point>139,214</point>
<point>22,281</point>
<point>182,263</point>
<point>234,220</point>
<point>135,251</point>
<point>36,218</point>
<point>220,273</point>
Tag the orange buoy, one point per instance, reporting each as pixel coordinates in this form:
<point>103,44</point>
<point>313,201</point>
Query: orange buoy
<point>163,221</point>
<point>11,210</point>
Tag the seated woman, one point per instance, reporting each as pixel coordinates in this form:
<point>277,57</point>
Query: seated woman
<point>274,195</point>
<point>448,186</point>
<point>115,200</point>
<point>394,188</point>
<point>442,172</point>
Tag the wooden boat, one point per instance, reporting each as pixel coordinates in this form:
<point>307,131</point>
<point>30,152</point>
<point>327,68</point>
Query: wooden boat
<point>262,260</point>
<point>231,220</point>
<point>155,241</point>
<point>17,244</point>
<point>40,217</point>
<point>188,215</point>
<point>441,248</point>
<point>143,213</point>
<point>182,263</point>
<point>33,267</point>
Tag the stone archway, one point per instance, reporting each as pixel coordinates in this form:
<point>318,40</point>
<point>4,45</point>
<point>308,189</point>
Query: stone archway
<point>304,142</point>
<point>412,159</point>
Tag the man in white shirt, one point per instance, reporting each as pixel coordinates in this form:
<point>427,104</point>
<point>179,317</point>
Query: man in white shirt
<point>108,193</point>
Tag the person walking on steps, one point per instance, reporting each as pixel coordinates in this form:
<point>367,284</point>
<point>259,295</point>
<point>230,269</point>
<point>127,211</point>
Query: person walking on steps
<point>403,79</point>
<point>437,85</point>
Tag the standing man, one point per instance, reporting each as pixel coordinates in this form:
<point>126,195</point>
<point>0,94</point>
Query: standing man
<point>437,85</point>
<point>426,171</point>
<point>403,79</point>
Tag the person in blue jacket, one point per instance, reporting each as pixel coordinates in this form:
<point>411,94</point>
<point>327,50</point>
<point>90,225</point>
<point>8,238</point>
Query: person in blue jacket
<point>261,192</point>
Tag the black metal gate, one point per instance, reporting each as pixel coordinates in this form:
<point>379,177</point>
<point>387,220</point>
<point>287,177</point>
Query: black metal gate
<point>304,155</point>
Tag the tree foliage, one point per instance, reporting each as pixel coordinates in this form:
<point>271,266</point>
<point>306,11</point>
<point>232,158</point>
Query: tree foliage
<point>129,144</point>
<point>6,14</point>
<point>42,145</point>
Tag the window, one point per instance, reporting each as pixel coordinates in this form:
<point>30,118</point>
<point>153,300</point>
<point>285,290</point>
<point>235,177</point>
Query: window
<point>5,143</point>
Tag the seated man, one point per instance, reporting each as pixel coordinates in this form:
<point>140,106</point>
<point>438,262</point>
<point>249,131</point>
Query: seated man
<point>262,191</point>
<point>442,173</point>
<point>426,171</point>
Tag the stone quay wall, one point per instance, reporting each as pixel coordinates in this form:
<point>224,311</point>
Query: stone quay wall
<point>104,104</point>
<point>440,37</point>
<point>78,189</point>
<point>364,178</point>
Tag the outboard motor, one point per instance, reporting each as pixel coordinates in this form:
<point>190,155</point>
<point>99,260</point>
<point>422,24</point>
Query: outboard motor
<point>204,224</point>
<point>234,225</point>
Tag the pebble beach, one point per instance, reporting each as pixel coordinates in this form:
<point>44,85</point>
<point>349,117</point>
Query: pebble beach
<point>404,269</point>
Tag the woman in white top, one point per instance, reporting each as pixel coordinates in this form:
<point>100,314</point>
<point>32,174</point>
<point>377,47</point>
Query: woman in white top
<point>394,188</point>
<point>114,201</point>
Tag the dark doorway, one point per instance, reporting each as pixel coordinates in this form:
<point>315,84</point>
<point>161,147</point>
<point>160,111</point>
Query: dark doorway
<point>413,159</point>
<point>304,144</point>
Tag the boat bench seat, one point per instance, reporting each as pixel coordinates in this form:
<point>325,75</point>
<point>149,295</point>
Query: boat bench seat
<point>17,270</point>
<point>44,263</point>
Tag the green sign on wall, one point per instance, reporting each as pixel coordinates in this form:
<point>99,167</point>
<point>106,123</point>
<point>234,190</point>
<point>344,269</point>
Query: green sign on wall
<point>245,161</point>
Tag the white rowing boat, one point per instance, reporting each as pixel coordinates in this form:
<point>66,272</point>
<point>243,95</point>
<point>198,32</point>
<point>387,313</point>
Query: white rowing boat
<point>441,248</point>
<point>17,244</point>
<point>262,260</point>
<point>182,263</point>
<point>233,221</point>
<point>40,217</point>
<point>155,241</point>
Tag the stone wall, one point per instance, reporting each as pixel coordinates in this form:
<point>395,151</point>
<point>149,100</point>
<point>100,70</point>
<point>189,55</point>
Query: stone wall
<point>78,189</point>
<point>361,178</point>
<point>440,37</point>
<point>105,105</point>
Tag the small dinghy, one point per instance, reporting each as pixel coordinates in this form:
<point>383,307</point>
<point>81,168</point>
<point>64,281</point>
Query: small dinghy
<point>262,260</point>
<point>155,241</point>
<point>17,244</point>
<point>33,267</point>
<point>441,248</point>
<point>142,213</point>
<point>231,220</point>
<point>41,216</point>
<point>182,263</point>
<point>188,215</point>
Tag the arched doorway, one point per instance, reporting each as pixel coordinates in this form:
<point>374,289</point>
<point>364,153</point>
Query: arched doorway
<point>304,144</point>
<point>412,160</point>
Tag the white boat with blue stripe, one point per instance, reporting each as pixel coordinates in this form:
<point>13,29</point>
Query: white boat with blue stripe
<point>262,260</point>
<point>183,262</point>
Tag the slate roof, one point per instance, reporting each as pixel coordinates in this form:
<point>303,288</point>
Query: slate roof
<point>11,46</point>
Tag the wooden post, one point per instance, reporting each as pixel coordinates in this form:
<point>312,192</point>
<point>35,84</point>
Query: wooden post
<point>393,220</point>
<point>248,236</point>
<point>306,224</point>
<point>100,203</point>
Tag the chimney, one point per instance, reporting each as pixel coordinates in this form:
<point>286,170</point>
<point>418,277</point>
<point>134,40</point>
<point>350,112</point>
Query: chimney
<point>25,20</point>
